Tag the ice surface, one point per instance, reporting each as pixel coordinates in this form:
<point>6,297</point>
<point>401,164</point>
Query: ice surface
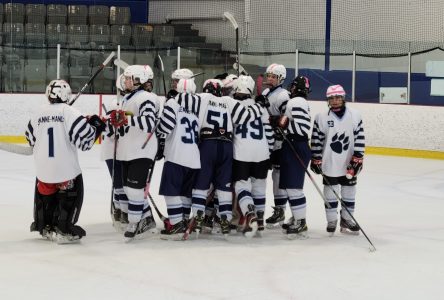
<point>400,205</point>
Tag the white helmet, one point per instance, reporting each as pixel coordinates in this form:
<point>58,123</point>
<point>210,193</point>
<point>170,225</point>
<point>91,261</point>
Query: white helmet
<point>58,91</point>
<point>186,86</point>
<point>335,90</point>
<point>140,73</point>
<point>228,82</point>
<point>182,74</point>
<point>278,70</point>
<point>244,85</point>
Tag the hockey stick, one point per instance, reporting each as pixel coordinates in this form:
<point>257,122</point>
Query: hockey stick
<point>17,149</point>
<point>372,248</point>
<point>166,222</point>
<point>163,74</point>
<point>121,64</point>
<point>101,67</point>
<point>231,18</point>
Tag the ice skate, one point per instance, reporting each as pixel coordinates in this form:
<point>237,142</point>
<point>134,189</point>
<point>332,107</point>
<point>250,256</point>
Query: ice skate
<point>260,222</point>
<point>137,230</point>
<point>123,221</point>
<point>287,224</point>
<point>349,227</point>
<point>71,237</point>
<point>198,222</point>
<point>251,224</point>
<point>116,219</point>
<point>297,230</point>
<point>175,233</point>
<point>207,226</point>
<point>277,218</point>
<point>331,227</point>
<point>225,225</point>
<point>47,232</point>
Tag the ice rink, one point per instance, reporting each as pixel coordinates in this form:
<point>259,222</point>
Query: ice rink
<point>400,205</point>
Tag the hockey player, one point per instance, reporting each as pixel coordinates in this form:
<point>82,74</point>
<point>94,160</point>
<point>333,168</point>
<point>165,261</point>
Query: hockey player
<point>120,200</point>
<point>55,132</point>
<point>181,126</point>
<point>296,125</point>
<point>337,145</point>
<point>253,143</point>
<point>278,98</point>
<point>218,115</point>
<point>175,77</point>
<point>134,120</point>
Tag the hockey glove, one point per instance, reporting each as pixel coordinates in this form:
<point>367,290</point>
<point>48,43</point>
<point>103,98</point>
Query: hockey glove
<point>262,101</point>
<point>98,123</point>
<point>118,118</point>
<point>160,147</point>
<point>316,166</point>
<point>171,94</point>
<point>354,167</point>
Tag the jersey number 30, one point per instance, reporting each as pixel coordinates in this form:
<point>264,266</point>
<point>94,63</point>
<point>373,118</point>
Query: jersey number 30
<point>191,134</point>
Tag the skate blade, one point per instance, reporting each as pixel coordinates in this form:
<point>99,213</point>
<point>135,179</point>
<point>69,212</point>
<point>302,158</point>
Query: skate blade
<point>207,230</point>
<point>275,225</point>
<point>331,234</point>
<point>260,233</point>
<point>297,236</point>
<point>250,234</point>
<point>61,240</point>
<point>348,231</point>
<point>172,237</point>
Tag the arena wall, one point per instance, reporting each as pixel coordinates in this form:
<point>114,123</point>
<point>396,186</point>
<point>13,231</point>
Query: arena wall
<point>406,130</point>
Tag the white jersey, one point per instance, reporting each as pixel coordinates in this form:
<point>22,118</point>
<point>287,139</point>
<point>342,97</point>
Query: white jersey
<point>56,131</point>
<point>181,127</point>
<point>335,140</point>
<point>298,113</point>
<point>218,114</point>
<point>278,98</point>
<point>144,107</point>
<point>252,141</point>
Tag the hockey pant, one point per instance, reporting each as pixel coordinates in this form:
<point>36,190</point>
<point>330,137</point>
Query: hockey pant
<point>348,196</point>
<point>251,191</point>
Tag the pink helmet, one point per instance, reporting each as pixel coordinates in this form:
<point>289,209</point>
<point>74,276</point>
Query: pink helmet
<point>335,90</point>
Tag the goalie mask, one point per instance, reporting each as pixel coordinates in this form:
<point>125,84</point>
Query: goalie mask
<point>300,87</point>
<point>58,91</point>
<point>213,86</point>
<point>336,97</point>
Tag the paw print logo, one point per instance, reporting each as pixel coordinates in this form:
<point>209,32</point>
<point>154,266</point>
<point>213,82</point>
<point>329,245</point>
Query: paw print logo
<point>340,143</point>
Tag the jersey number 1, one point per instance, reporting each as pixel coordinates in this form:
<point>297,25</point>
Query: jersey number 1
<point>51,142</point>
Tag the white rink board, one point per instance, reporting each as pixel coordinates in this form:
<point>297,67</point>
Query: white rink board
<point>385,125</point>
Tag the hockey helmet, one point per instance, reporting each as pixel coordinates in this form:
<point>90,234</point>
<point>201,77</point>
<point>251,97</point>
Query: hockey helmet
<point>186,86</point>
<point>58,91</point>
<point>300,87</point>
<point>213,86</point>
<point>182,74</point>
<point>334,91</point>
<point>244,85</point>
<point>279,70</point>
<point>139,73</point>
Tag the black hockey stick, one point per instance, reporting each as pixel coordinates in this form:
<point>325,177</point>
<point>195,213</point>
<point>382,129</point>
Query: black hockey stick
<point>101,67</point>
<point>165,220</point>
<point>372,248</point>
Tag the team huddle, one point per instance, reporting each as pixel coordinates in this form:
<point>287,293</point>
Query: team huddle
<point>218,147</point>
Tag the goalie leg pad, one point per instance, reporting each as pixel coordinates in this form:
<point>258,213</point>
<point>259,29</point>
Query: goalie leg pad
<point>45,214</point>
<point>69,206</point>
